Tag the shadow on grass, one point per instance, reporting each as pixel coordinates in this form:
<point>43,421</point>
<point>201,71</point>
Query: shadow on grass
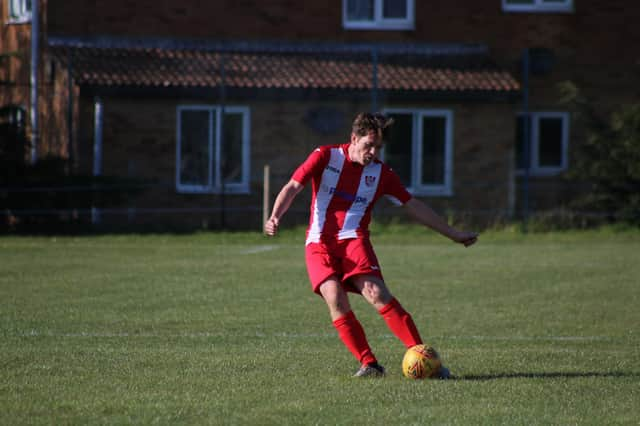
<point>546,375</point>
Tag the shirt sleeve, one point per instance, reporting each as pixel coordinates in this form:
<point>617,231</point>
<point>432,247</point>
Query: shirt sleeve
<point>312,166</point>
<point>394,190</point>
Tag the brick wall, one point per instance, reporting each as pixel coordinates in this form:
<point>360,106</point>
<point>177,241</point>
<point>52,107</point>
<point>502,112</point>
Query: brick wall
<point>587,35</point>
<point>15,42</point>
<point>595,46</point>
<point>15,38</point>
<point>139,142</point>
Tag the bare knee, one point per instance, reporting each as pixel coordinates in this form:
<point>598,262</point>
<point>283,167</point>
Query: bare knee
<point>336,298</point>
<point>373,290</point>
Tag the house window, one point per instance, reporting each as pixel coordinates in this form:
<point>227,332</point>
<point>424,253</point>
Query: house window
<point>212,154</point>
<point>548,143</point>
<point>419,148</point>
<point>20,10</point>
<point>537,5</point>
<point>378,14</point>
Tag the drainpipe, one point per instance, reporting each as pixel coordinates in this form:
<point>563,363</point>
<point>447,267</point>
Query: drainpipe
<point>374,79</point>
<point>35,46</point>
<point>70,110</point>
<point>526,129</point>
<point>221,153</point>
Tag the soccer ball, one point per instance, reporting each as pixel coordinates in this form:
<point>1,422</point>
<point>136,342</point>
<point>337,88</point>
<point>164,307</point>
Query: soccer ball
<point>420,362</point>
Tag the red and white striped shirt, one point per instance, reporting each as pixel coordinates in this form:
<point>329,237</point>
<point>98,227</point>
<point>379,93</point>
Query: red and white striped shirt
<point>344,192</point>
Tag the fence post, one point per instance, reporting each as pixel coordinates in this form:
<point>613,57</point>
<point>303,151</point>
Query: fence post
<point>265,194</point>
<point>98,113</point>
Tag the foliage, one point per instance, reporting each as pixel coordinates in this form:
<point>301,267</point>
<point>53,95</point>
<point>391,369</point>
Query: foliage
<point>608,158</point>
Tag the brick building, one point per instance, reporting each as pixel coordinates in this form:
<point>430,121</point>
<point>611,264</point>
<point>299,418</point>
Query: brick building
<point>193,98</point>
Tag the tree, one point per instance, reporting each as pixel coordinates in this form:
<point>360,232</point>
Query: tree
<point>608,159</point>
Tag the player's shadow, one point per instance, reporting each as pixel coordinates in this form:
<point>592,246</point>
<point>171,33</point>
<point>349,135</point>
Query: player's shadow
<point>545,375</point>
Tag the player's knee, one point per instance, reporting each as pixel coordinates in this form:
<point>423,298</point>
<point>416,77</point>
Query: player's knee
<point>375,293</point>
<point>335,298</point>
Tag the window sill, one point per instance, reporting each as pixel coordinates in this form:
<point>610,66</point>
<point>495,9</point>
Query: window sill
<point>19,21</point>
<point>541,172</point>
<point>212,191</point>
<point>377,27</point>
<point>549,10</point>
<point>431,192</point>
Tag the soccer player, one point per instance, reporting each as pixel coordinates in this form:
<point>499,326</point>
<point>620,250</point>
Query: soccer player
<point>346,181</point>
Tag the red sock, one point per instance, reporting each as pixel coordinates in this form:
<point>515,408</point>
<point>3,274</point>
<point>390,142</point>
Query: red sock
<point>352,335</point>
<point>400,323</point>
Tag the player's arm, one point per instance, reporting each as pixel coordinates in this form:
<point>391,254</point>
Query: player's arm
<point>283,201</point>
<point>426,216</point>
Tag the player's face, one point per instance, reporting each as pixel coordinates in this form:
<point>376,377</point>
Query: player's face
<point>364,149</point>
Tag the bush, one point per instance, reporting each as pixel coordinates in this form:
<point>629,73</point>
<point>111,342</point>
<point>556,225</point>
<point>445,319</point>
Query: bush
<point>608,159</point>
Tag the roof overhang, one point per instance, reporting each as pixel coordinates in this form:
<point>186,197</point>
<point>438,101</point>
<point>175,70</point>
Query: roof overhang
<point>457,70</point>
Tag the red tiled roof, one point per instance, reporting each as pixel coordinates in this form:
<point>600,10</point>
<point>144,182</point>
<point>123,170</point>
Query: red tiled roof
<point>157,67</point>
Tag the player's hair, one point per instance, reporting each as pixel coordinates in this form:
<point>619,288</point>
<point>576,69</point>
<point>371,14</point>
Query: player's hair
<point>366,122</point>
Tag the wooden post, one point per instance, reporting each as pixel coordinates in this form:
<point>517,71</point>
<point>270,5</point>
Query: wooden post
<point>265,194</point>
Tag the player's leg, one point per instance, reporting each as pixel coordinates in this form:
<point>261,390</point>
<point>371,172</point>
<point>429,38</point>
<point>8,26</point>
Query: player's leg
<point>399,321</point>
<point>365,274</point>
<point>335,297</point>
<point>345,322</point>
<point>373,289</point>
<point>324,270</point>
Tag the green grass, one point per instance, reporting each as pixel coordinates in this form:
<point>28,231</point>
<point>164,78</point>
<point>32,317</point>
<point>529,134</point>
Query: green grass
<point>223,329</point>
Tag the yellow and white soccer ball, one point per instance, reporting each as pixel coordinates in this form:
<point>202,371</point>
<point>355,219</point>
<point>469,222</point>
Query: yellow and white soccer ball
<point>421,362</point>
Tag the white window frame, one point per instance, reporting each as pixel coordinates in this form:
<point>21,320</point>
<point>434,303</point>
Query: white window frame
<point>534,144</point>
<point>417,187</point>
<point>18,11</point>
<point>541,6</point>
<point>214,184</point>
<point>379,22</point>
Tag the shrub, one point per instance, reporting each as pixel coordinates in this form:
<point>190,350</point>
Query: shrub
<point>608,159</point>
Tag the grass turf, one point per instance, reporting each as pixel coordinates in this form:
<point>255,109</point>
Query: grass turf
<point>223,329</point>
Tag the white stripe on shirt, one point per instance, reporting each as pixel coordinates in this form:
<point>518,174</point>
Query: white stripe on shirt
<point>369,181</point>
<point>329,180</point>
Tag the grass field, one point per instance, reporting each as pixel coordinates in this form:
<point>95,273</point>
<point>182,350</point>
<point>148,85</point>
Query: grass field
<point>223,329</point>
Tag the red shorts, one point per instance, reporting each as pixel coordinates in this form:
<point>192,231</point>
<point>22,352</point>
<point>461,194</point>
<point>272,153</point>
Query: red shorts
<point>342,258</point>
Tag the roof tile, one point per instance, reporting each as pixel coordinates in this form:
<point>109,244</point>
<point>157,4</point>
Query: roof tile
<point>155,67</point>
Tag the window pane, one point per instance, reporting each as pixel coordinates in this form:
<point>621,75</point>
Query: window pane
<point>395,9</point>
<point>550,142</point>
<point>360,10</point>
<point>521,159</point>
<point>232,148</point>
<point>433,150</point>
<point>518,2</point>
<point>19,8</point>
<point>397,150</point>
<point>14,8</point>
<point>194,148</point>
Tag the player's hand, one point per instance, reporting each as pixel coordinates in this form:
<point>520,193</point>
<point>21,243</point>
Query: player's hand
<point>271,226</point>
<point>466,238</point>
